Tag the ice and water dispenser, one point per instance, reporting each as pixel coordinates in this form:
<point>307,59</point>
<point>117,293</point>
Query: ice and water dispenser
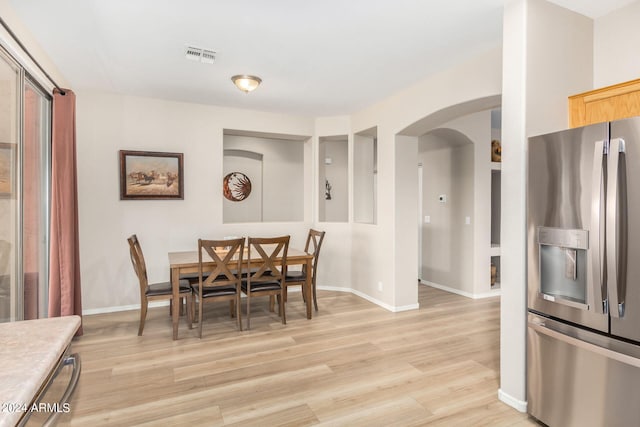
<point>563,265</point>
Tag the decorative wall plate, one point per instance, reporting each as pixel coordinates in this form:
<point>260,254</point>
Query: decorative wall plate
<point>236,186</point>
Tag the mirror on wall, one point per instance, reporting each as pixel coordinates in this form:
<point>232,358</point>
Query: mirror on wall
<point>263,177</point>
<point>333,178</point>
<point>365,173</point>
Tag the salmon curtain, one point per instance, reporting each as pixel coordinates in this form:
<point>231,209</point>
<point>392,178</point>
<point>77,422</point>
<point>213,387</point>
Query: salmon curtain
<point>64,271</point>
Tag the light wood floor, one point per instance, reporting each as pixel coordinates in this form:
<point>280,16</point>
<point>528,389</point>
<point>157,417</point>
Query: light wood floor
<point>353,364</point>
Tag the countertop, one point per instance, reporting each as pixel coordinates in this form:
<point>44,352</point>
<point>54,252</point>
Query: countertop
<point>29,351</point>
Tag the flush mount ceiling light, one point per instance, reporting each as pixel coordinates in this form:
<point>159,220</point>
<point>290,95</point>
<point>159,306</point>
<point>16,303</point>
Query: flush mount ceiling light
<point>246,83</point>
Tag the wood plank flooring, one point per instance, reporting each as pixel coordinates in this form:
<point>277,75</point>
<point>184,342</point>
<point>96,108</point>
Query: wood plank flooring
<point>353,364</point>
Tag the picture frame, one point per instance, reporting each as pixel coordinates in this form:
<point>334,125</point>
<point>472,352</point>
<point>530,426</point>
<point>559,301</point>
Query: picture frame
<point>151,175</point>
<point>7,169</point>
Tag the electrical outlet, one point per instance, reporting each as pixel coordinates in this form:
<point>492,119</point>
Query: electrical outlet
<point>467,220</point>
<point>380,286</point>
<point>427,219</point>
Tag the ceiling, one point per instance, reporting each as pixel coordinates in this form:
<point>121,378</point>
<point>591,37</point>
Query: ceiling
<point>316,58</point>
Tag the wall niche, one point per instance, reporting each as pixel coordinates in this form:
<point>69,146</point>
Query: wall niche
<point>263,177</point>
<point>365,176</point>
<point>333,179</point>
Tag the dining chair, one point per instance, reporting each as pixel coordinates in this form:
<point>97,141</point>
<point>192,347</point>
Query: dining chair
<point>298,278</point>
<point>156,291</point>
<point>223,283</point>
<point>193,277</point>
<point>268,267</point>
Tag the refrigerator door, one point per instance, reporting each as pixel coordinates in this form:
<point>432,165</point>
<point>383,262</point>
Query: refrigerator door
<point>565,234</point>
<point>579,378</point>
<point>623,229</point>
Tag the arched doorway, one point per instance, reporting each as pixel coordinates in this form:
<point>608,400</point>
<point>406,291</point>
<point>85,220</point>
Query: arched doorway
<point>461,118</point>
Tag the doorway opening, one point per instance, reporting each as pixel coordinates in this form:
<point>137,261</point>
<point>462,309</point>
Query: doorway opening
<point>461,261</point>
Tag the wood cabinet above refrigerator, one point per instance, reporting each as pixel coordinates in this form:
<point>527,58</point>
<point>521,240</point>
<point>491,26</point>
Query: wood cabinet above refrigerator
<point>609,103</point>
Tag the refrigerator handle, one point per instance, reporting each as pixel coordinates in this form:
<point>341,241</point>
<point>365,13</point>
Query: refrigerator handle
<point>615,278</point>
<point>542,328</point>
<point>596,236</point>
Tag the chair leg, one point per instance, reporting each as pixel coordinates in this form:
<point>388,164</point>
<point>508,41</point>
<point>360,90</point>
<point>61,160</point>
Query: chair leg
<point>188,310</point>
<point>315,298</point>
<point>272,304</point>
<point>232,309</point>
<point>193,309</point>
<point>143,315</point>
<point>181,308</point>
<point>200,317</point>
<point>248,310</point>
<point>238,312</point>
<point>281,304</point>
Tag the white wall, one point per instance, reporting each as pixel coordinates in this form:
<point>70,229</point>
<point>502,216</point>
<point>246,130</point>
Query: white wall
<point>616,41</point>
<point>109,122</point>
<point>447,241</point>
<point>547,57</point>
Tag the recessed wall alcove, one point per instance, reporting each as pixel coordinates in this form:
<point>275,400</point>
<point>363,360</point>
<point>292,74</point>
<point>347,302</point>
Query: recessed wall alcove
<point>273,166</point>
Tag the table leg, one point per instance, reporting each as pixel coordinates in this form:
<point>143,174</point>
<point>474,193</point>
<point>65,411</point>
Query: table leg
<point>175,301</point>
<point>307,287</point>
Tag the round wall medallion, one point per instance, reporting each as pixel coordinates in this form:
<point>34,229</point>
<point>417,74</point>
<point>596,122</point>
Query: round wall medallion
<point>236,186</point>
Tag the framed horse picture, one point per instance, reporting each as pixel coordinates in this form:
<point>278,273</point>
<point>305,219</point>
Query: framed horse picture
<point>148,175</point>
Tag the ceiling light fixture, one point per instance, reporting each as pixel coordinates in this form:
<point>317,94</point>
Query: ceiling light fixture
<point>246,83</point>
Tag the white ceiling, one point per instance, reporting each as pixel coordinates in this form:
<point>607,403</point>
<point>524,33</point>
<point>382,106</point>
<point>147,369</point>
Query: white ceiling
<point>317,58</point>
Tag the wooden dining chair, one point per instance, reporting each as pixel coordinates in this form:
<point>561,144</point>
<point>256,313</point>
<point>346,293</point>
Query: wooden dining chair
<point>156,291</point>
<point>298,278</point>
<point>268,267</point>
<point>223,283</point>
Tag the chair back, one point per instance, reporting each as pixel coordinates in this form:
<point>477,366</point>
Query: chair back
<point>268,256</point>
<point>314,242</point>
<point>137,259</point>
<point>227,255</point>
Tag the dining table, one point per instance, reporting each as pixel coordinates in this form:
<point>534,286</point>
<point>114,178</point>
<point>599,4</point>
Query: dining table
<point>186,262</point>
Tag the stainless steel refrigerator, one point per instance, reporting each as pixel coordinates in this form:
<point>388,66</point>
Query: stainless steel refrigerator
<point>583,238</point>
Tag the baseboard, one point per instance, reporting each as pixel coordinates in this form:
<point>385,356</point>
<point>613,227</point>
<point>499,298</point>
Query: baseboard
<point>518,404</point>
<point>103,310</point>
<point>373,300</point>
<point>386,306</point>
<point>492,293</point>
<point>394,309</point>
<point>334,288</point>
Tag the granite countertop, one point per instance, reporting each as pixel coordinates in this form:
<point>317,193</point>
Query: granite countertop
<point>29,351</point>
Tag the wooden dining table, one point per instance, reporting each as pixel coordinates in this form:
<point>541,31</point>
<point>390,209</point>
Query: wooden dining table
<point>187,262</point>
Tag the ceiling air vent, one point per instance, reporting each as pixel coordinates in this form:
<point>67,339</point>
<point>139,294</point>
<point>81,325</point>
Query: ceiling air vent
<point>206,56</point>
